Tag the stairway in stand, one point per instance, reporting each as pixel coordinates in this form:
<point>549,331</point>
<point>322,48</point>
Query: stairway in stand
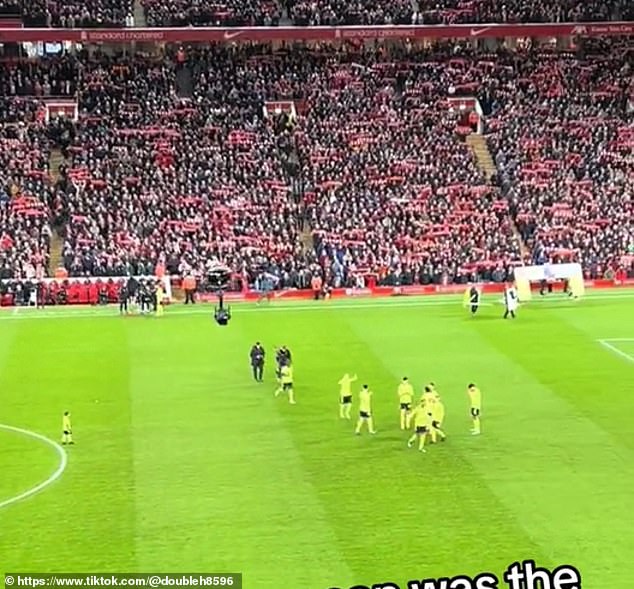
<point>479,146</point>
<point>139,15</point>
<point>306,239</point>
<point>485,162</point>
<point>55,160</point>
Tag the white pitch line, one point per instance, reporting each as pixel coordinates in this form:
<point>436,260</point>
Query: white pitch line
<point>615,350</point>
<point>61,467</point>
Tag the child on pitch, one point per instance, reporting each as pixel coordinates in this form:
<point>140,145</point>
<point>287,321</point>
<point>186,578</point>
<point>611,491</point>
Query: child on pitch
<point>511,301</point>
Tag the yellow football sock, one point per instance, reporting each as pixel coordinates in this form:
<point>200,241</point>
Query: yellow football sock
<point>291,396</point>
<point>359,425</point>
<point>476,425</point>
<point>370,425</point>
<point>403,420</point>
<point>421,441</point>
<point>342,411</point>
<point>348,410</point>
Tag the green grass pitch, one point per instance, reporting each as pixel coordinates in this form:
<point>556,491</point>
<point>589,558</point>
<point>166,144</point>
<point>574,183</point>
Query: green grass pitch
<point>184,464</point>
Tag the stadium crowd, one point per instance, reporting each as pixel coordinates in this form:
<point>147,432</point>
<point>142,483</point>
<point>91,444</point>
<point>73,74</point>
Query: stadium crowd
<point>362,148</point>
<point>163,13</point>
<point>562,138</point>
<point>406,12</point>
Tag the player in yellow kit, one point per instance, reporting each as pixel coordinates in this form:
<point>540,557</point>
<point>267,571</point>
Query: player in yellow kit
<point>286,384</point>
<point>365,410</point>
<point>475,400</point>
<point>437,417</point>
<point>422,425</point>
<point>345,395</point>
<point>405,394</point>
<point>428,394</point>
<point>67,429</point>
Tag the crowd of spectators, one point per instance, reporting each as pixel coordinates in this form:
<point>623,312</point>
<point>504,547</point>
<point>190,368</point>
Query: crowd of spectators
<point>361,149</point>
<point>225,13</point>
<point>562,136</point>
<point>230,13</point>
<point>407,12</point>
<point>25,229</point>
<point>372,12</point>
<point>77,13</point>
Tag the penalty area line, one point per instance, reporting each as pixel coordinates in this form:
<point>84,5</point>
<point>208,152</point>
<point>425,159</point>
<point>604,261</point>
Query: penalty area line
<point>606,344</point>
<point>61,466</point>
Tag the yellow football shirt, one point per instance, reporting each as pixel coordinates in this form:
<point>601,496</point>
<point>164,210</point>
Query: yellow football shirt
<point>365,401</point>
<point>475,397</point>
<point>405,392</point>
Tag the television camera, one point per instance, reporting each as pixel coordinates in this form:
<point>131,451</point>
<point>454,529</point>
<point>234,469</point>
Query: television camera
<point>218,277</point>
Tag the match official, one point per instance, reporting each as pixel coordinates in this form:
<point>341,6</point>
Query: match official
<point>257,355</point>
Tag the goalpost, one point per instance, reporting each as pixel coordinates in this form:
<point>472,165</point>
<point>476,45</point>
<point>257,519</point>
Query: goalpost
<point>572,272</point>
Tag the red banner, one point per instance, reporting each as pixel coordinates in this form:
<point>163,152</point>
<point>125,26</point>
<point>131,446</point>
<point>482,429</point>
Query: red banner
<point>189,34</point>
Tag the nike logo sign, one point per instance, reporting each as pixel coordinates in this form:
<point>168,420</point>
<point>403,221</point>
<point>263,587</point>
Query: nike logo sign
<point>232,34</point>
<point>476,32</point>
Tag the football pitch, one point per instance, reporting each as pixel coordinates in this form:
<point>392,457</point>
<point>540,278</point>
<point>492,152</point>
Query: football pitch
<point>183,463</point>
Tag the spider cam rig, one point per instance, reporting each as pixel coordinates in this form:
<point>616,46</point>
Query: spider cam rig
<point>218,278</point>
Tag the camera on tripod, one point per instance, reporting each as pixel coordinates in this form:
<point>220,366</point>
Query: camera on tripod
<point>218,277</point>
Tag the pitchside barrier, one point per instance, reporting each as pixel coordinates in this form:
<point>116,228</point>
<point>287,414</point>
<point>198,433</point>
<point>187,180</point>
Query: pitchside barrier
<point>78,291</point>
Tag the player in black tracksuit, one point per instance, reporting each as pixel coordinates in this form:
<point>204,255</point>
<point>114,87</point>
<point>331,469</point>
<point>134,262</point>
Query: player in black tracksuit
<point>123,299</point>
<point>474,299</point>
<point>257,361</point>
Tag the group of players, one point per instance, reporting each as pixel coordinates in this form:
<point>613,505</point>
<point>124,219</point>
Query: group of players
<point>426,418</point>
<point>284,372</point>
<point>145,295</point>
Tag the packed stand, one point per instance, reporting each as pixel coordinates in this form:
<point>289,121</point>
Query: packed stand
<point>25,231</point>
<point>229,13</point>
<point>396,193</point>
<point>224,13</point>
<point>562,135</point>
<point>157,180</point>
<point>78,13</point>
<point>239,13</point>
<point>389,188</point>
